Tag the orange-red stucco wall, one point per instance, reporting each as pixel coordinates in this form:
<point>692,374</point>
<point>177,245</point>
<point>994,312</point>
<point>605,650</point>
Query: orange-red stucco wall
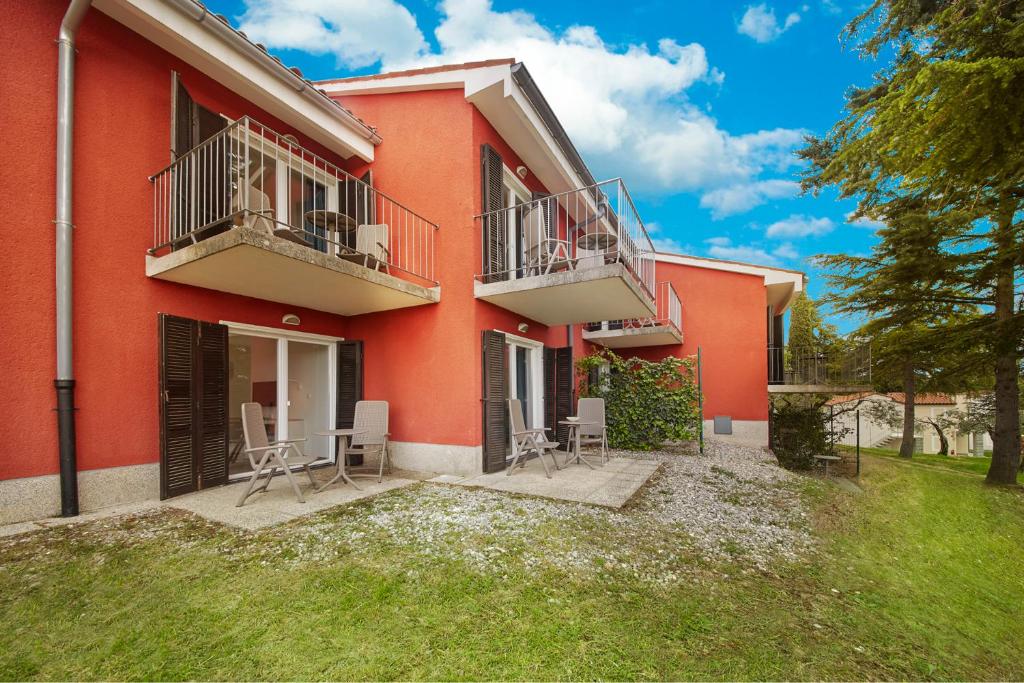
<point>122,136</point>
<point>725,314</point>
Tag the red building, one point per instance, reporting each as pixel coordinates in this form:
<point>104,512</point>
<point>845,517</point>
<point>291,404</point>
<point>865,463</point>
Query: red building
<point>430,238</point>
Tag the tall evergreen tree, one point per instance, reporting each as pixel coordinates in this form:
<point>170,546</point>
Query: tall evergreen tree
<point>942,125</point>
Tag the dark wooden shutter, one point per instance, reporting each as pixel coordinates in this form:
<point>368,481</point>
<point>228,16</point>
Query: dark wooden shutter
<point>211,416</point>
<point>178,473</point>
<point>549,213</point>
<point>563,391</point>
<point>193,405</point>
<point>493,224</point>
<point>350,382</point>
<point>550,389</point>
<point>182,108</point>
<point>495,405</point>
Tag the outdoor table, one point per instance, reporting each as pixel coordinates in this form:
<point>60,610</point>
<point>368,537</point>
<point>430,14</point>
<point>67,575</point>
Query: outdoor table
<point>593,241</point>
<point>341,435</point>
<point>332,222</point>
<point>574,439</point>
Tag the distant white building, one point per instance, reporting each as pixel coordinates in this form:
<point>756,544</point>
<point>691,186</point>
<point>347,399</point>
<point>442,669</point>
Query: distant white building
<point>874,434</point>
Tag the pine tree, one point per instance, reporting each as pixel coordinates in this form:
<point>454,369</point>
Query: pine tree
<point>942,126</point>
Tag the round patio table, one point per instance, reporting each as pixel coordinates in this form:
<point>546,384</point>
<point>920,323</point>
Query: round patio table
<point>574,439</point>
<point>342,436</point>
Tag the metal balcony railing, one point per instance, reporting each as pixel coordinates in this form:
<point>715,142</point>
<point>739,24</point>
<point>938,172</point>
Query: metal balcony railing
<point>670,313</point>
<point>811,366</point>
<point>248,175</point>
<point>585,228</point>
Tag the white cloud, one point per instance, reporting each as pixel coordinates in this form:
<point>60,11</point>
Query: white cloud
<point>358,33</point>
<point>626,107</point>
<point>723,248</point>
<point>741,197</point>
<point>864,222</point>
<point>799,226</point>
<point>759,22</point>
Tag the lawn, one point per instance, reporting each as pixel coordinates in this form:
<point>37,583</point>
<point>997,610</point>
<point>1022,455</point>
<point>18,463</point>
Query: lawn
<point>918,577</point>
<point>975,465</point>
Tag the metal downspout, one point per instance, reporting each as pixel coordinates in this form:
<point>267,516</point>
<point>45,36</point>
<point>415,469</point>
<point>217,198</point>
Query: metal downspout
<point>65,382</point>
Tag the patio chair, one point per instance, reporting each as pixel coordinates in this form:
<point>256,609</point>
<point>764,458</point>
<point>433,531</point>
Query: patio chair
<point>591,410</point>
<point>371,248</point>
<point>270,457</point>
<point>371,418</point>
<point>543,252</point>
<point>526,442</point>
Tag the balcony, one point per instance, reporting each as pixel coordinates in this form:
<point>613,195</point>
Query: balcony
<point>663,329</point>
<point>251,212</point>
<point>797,370</point>
<point>572,257</point>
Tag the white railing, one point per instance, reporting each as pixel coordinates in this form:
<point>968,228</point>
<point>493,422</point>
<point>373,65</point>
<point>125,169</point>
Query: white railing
<point>669,312</point>
<point>585,228</point>
<point>247,175</point>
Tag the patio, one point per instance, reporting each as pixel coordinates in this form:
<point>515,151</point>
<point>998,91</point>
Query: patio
<point>611,485</point>
<point>278,505</point>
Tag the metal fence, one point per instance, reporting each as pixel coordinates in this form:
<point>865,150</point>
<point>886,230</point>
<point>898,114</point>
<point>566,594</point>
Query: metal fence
<point>248,175</point>
<point>585,228</point>
<point>811,366</point>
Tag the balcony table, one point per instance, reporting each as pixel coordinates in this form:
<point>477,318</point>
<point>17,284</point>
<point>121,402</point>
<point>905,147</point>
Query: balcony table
<point>332,222</point>
<point>341,458</point>
<point>593,241</point>
<point>574,439</point>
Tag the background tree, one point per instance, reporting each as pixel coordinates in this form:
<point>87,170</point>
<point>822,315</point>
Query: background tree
<point>941,125</point>
<point>807,329</point>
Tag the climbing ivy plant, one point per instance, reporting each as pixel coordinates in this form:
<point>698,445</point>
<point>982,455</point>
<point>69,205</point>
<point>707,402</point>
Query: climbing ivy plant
<point>646,402</point>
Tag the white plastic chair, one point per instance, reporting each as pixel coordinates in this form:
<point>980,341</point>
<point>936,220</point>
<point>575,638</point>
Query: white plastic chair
<point>371,418</point>
<point>593,429</point>
<point>371,247</point>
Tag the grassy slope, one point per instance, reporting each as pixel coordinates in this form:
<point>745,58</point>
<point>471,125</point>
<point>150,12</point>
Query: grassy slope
<point>975,465</point>
<point>926,565</point>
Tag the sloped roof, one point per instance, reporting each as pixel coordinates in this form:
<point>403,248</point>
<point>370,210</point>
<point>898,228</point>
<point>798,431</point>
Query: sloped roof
<point>926,399</point>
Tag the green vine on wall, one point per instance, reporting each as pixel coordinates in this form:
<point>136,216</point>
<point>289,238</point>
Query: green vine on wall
<point>646,402</point>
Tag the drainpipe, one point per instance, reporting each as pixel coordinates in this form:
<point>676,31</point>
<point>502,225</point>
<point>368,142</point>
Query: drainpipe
<point>65,382</point>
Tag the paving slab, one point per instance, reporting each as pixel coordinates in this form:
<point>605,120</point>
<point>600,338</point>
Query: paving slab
<point>610,485</point>
<point>279,505</point>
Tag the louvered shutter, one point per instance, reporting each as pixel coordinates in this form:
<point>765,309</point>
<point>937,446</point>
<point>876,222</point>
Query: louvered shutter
<point>178,473</point>
<point>211,410</point>
<point>494,231</point>
<point>182,128</point>
<point>563,391</point>
<point>548,209</point>
<point>495,396</point>
<point>350,382</point>
<point>550,389</point>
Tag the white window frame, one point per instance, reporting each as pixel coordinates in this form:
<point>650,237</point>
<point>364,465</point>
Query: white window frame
<point>282,337</point>
<point>512,188</point>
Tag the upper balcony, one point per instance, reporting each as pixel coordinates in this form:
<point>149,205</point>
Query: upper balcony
<point>664,328</point>
<point>251,212</point>
<point>798,370</point>
<point>572,257</point>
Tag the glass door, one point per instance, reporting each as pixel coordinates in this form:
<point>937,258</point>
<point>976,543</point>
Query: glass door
<point>252,377</point>
<point>309,396</point>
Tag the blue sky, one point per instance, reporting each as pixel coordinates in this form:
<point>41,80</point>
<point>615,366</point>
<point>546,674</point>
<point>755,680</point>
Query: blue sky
<point>697,105</point>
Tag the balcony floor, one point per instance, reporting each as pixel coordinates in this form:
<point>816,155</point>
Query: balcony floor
<point>251,263</point>
<point>632,337</point>
<point>607,292</point>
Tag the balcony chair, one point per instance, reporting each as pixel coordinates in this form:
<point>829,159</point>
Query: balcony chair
<point>371,248</point>
<point>259,215</point>
<point>591,410</point>
<point>268,457</point>
<point>371,418</point>
<point>544,253</point>
<point>526,442</point>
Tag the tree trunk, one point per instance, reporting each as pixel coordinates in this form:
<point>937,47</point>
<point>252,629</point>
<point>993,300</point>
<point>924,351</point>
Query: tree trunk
<point>943,441</point>
<point>1006,440</point>
<point>907,444</point>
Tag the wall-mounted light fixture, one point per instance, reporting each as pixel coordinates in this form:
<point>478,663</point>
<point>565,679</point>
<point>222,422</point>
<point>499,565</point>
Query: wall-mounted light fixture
<point>523,327</point>
<point>290,319</point>
<point>522,172</point>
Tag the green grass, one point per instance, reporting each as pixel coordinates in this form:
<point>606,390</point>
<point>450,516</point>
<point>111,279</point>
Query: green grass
<point>918,577</point>
<point>975,465</point>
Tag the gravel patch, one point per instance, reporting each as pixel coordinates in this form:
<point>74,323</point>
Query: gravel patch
<point>733,505</point>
